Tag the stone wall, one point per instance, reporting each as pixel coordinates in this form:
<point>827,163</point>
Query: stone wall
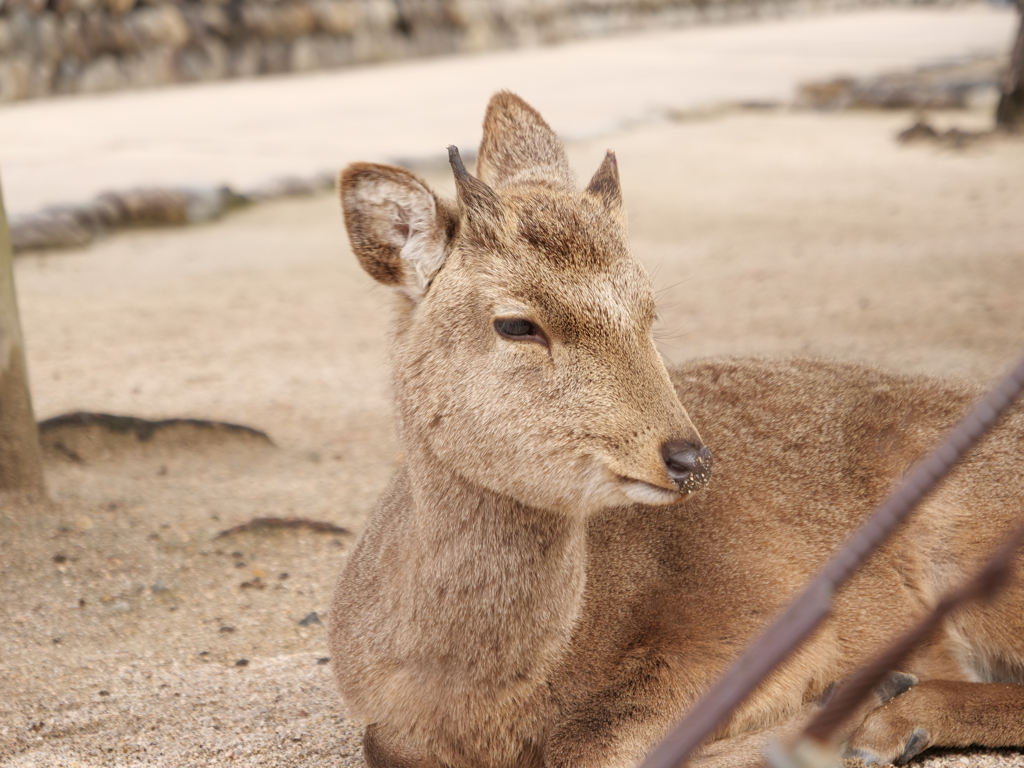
<point>87,46</point>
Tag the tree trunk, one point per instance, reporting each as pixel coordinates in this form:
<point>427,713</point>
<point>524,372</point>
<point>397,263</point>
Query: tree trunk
<point>21,466</point>
<point>1010,112</point>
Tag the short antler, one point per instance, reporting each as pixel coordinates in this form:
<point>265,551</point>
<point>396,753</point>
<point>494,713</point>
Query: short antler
<point>455,159</point>
<point>474,194</point>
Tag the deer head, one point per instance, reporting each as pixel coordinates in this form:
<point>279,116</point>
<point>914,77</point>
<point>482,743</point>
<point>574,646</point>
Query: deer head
<point>523,356</point>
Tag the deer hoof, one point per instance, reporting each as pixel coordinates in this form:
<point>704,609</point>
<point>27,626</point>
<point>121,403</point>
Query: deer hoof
<point>896,732</point>
<point>893,684</point>
<point>884,740</point>
<point>919,741</point>
<point>866,756</point>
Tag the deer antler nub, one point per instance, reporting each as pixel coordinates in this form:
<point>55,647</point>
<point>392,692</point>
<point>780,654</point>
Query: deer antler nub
<point>474,194</point>
<point>456,162</point>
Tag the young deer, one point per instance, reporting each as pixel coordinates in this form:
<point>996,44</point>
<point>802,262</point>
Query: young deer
<point>550,581</point>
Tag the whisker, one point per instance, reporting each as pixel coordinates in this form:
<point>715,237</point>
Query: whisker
<point>674,285</point>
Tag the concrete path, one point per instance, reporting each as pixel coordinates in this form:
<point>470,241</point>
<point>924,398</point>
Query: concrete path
<point>246,132</point>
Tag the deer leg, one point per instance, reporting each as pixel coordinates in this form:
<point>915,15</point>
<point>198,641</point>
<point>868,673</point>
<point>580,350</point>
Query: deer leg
<point>941,713</point>
<point>618,725</point>
<point>750,749</point>
<point>746,750</point>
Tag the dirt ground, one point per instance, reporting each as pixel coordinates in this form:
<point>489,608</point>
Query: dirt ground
<point>131,635</point>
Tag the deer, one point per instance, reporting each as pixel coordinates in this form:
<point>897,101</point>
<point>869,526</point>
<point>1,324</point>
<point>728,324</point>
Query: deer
<point>552,579</point>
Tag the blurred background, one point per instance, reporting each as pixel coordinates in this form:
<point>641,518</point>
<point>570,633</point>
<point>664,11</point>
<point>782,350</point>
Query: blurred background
<point>53,47</point>
<point>207,362</point>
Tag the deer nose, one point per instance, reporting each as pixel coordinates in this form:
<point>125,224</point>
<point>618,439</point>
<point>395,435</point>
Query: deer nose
<point>688,464</point>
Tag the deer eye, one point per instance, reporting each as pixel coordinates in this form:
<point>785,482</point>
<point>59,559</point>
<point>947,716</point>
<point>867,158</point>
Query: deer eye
<point>518,329</point>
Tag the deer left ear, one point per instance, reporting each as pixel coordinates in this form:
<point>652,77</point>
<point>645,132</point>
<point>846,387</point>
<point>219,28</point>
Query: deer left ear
<point>605,184</point>
<point>400,231</point>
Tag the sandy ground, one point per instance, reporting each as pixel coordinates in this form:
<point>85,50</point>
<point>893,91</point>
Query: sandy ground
<point>125,621</point>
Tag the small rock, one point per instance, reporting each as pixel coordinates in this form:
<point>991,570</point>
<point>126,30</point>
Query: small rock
<point>310,619</point>
<point>162,25</point>
<point>120,606</point>
<point>242,663</point>
<point>159,586</point>
<point>119,7</point>
<point>102,74</point>
<point>226,629</point>
<point>106,212</point>
<point>916,132</point>
<point>149,206</point>
<point>323,660</point>
<point>48,229</point>
<point>207,203</point>
<point>285,186</point>
<point>278,21</point>
<point>336,17</point>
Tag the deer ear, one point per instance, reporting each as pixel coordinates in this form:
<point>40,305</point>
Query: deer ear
<point>400,231</point>
<point>520,148</point>
<point>605,184</point>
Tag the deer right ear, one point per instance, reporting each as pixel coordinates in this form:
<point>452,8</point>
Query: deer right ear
<point>400,231</point>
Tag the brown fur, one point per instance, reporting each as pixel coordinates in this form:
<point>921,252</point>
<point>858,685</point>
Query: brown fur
<point>535,589</point>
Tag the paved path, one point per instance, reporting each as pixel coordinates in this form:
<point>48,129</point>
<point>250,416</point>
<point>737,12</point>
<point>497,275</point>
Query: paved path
<point>245,132</point>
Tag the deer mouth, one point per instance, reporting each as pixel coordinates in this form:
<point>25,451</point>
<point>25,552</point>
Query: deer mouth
<point>643,492</point>
<point>648,493</point>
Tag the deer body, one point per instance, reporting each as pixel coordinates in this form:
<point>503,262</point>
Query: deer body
<point>548,581</point>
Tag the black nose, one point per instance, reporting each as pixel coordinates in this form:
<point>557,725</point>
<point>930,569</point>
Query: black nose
<point>688,464</point>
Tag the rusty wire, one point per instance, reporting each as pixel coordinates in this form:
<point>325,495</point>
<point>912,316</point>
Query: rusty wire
<point>814,603</point>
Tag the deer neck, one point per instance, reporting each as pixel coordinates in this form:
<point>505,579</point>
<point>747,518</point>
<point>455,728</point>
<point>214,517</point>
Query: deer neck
<point>504,581</point>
